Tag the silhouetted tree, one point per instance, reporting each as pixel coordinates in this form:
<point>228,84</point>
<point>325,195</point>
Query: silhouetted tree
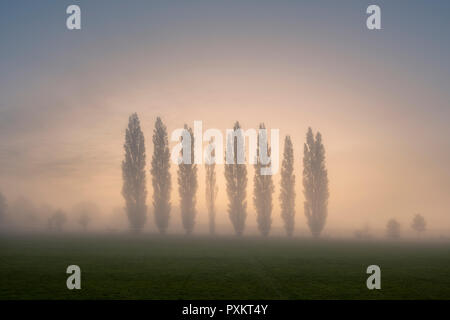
<point>57,220</point>
<point>85,212</point>
<point>393,229</point>
<point>236,177</point>
<point>315,183</point>
<point>3,207</point>
<point>211,190</point>
<point>419,224</point>
<point>133,171</point>
<point>263,186</point>
<point>84,220</point>
<point>187,186</point>
<point>287,189</point>
<point>161,176</point>
<point>363,234</point>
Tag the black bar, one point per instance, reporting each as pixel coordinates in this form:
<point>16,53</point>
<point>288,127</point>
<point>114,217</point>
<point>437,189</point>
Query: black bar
<point>279,309</point>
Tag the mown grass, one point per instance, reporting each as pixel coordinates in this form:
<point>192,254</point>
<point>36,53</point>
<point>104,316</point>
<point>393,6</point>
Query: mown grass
<point>178,267</point>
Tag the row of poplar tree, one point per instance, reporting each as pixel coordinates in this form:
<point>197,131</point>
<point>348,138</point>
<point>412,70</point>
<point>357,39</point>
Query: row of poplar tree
<point>315,184</point>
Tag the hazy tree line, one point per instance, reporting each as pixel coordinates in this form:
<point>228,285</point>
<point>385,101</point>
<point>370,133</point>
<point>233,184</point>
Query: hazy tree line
<point>393,228</point>
<point>23,210</point>
<point>315,182</point>
<point>315,186</point>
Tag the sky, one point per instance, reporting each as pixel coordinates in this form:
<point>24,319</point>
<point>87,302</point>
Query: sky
<point>379,98</point>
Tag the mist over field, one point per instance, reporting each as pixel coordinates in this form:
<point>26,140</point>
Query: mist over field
<point>65,103</point>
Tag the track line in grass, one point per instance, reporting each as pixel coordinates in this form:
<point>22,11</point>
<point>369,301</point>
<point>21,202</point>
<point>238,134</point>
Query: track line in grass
<point>266,278</point>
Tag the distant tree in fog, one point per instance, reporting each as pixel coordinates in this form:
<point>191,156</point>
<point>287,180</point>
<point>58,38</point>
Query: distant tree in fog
<point>187,186</point>
<point>57,221</point>
<point>161,176</point>
<point>133,172</point>
<point>393,229</point>
<point>236,177</point>
<point>315,183</point>
<point>3,207</point>
<point>363,234</point>
<point>287,188</point>
<point>211,189</point>
<point>85,211</point>
<point>419,224</point>
<point>263,187</point>
<point>84,219</point>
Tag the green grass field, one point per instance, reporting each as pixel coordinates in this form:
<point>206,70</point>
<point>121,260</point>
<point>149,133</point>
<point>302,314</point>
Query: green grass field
<point>178,267</point>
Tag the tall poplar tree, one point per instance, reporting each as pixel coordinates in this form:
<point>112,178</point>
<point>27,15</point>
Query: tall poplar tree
<point>161,179</point>
<point>187,187</point>
<point>315,183</point>
<point>287,188</point>
<point>263,187</point>
<point>236,178</point>
<point>133,172</point>
<point>211,191</point>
